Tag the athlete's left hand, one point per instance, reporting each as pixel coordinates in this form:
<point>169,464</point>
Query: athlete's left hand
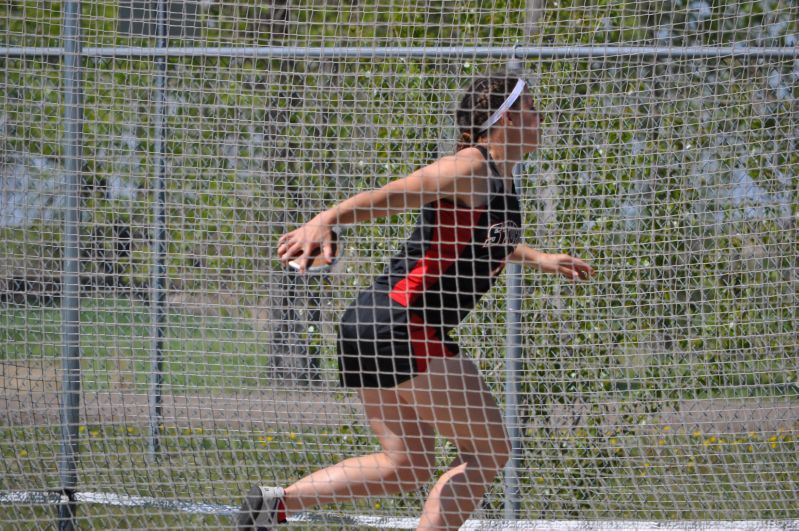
<point>572,268</point>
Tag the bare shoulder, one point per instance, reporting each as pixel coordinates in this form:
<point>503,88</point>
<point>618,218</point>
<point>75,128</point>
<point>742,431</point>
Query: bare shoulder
<point>472,157</point>
<point>467,163</point>
<point>463,176</point>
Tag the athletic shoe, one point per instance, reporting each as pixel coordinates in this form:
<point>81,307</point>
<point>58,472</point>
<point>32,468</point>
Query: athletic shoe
<point>262,508</point>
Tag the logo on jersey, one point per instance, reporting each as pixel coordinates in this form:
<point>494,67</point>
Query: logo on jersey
<point>506,233</point>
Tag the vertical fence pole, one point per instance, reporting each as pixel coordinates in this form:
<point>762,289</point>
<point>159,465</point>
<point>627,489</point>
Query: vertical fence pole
<point>513,368</point>
<point>158,289</point>
<point>70,305</point>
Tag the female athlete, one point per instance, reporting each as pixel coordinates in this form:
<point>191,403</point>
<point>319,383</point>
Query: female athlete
<point>393,340</point>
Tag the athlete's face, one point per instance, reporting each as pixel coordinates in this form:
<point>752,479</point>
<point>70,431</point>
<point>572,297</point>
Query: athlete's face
<point>529,121</point>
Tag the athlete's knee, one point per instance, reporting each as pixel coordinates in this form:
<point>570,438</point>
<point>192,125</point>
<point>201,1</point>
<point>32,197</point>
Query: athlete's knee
<point>413,468</point>
<point>490,455</point>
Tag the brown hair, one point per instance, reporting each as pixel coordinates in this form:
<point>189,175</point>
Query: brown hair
<point>484,96</point>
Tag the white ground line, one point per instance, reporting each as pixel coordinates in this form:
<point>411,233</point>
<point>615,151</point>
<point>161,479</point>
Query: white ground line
<point>123,500</point>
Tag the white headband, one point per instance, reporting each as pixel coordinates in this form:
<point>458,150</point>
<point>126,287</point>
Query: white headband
<point>514,95</point>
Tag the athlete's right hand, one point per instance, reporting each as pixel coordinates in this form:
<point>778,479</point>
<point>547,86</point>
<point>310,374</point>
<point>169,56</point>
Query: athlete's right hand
<point>303,243</point>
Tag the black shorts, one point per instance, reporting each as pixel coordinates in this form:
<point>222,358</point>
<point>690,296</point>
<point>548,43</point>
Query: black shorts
<point>382,344</point>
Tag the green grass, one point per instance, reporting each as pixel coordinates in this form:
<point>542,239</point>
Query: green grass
<point>658,476</point>
<point>662,475</point>
<point>115,337</point>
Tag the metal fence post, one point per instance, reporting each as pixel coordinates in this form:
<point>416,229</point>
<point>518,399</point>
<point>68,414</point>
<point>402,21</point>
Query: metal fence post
<point>513,366</point>
<point>158,289</point>
<point>70,306</point>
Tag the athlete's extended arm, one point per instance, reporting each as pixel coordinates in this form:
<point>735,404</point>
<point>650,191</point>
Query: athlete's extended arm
<point>460,176</point>
<point>452,177</point>
<point>572,268</point>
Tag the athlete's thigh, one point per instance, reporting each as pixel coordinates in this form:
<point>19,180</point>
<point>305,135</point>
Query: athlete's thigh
<point>401,432</point>
<point>452,396</point>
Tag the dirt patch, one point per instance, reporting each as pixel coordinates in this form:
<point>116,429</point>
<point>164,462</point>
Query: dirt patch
<point>29,396</point>
<point>37,376</point>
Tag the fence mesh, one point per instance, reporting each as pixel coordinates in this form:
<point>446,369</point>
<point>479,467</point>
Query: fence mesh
<point>664,389</point>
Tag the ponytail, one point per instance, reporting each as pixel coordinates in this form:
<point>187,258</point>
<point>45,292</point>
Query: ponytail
<point>464,142</point>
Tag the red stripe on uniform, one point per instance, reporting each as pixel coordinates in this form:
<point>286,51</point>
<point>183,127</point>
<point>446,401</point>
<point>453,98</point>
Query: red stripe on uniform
<point>453,232</point>
<point>425,343</point>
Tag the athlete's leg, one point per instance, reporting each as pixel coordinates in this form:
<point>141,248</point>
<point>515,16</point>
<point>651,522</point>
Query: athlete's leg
<point>406,462</point>
<point>452,396</point>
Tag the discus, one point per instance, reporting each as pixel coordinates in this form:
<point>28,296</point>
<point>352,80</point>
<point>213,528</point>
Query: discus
<point>316,260</point>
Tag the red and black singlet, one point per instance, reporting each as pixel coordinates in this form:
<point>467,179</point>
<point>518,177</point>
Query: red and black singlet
<point>454,255</point>
<point>392,330</point>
